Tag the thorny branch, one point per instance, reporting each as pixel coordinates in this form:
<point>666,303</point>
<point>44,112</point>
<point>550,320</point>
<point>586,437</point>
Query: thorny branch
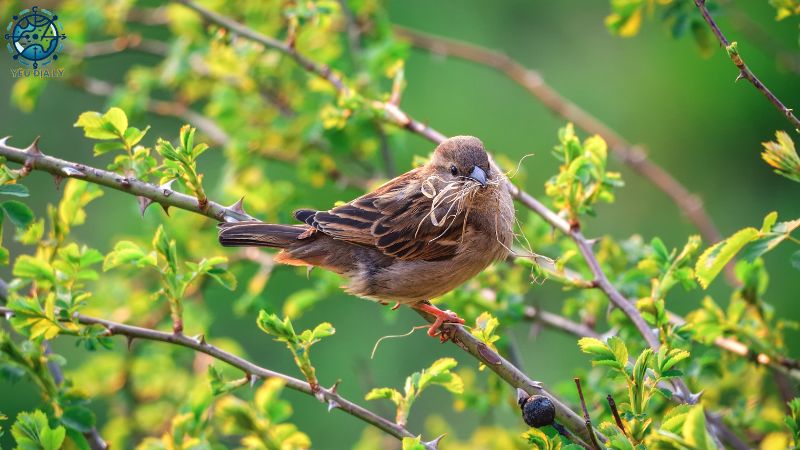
<point>744,71</point>
<point>512,375</point>
<point>328,396</point>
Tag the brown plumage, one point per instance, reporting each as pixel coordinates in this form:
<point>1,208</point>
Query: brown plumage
<point>415,238</point>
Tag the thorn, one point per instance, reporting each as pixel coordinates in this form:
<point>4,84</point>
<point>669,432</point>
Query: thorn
<point>72,172</point>
<point>308,272</point>
<point>58,179</point>
<point>9,315</point>
<point>333,389</point>
<point>129,339</point>
<point>238,207</point>
<point>739,77</point>
<point>4,140</point>
<point>166,188</point>
<point>33,149</point>
<point>165,208</point>
<point>434,444</point>
<point>333,404</point>
<point>253,380</point>
<point>522,396</point>
<point>200,339</point>
<point>144,202</point>
<point>694,398</point>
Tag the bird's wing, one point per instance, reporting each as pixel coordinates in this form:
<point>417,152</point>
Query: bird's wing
<point>394,219</point>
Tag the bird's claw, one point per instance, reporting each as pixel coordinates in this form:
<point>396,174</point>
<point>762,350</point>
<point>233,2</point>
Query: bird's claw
<point>444,317</point>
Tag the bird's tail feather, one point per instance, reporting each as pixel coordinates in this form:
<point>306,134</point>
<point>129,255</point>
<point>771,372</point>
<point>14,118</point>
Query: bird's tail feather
<point>244,234</point>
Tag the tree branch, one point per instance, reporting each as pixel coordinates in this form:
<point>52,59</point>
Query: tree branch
<point>512,375</point>
<point>744,71</point>
<point>329,396</point>
<point>33,159</point>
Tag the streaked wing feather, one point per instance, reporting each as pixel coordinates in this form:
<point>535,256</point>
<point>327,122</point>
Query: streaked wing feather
<point>393,219</point>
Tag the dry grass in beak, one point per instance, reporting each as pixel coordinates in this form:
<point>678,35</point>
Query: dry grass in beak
<point>452,198</point>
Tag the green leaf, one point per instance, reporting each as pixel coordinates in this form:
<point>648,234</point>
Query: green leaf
<point>32,432</point>
<point>782,156</point>
<point>660,250</point>
<point>439,373</point>
<point>127,252</point>
<point>32,268</point>
<point>412,443</point>
<point>95,126</point>
<point>17,212</point>
<point>322,330</point>
<point>714,259</point>
<point>105,147</point>
<point>17,190</point>
<point>619,349</point>
<point>78,418</point>
<point>769,239</point>
<point>133,135</point>
<point>388,393</point>
<point>273,325</point>
<point>224,277</point>
<point>694,430</point>
<point>117,118</point>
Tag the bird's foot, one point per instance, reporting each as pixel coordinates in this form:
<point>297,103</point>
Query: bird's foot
<point>442,317</point>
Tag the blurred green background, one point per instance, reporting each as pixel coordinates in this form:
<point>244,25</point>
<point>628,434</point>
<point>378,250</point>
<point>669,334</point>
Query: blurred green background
<point>653,89</point>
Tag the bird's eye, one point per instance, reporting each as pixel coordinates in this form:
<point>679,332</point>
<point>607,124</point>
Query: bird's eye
<point>453,170</point>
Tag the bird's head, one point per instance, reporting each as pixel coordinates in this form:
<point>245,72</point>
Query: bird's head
<point>462,158</point>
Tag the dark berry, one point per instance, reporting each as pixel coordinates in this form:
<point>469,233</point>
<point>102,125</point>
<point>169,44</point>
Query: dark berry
<point>538,411</point>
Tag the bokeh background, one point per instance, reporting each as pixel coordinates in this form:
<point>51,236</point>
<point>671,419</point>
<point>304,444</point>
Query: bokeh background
<point>685,109</point>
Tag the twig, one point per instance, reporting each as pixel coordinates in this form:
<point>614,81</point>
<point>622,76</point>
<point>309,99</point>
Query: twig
<point>780,363</point>
<point>613,405</point>
<point>509,373</point>
<point>586,418</point>
<point>558,322</point>
<point>744,71</point>
<point>33,159</point>
<point>120,44</point>
<point>330,396</point>
<point>532,81</point>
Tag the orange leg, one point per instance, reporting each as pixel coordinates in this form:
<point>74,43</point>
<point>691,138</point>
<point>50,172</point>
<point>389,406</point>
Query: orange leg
<point>441,318</point>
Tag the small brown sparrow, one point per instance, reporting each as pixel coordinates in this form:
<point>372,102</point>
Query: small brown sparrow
<point>415,238</point>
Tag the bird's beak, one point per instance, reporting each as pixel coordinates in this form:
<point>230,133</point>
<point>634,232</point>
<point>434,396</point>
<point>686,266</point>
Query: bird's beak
<point>478,175</point>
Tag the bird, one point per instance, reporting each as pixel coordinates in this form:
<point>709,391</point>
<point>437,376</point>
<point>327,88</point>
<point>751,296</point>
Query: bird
<point>413,239</point>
